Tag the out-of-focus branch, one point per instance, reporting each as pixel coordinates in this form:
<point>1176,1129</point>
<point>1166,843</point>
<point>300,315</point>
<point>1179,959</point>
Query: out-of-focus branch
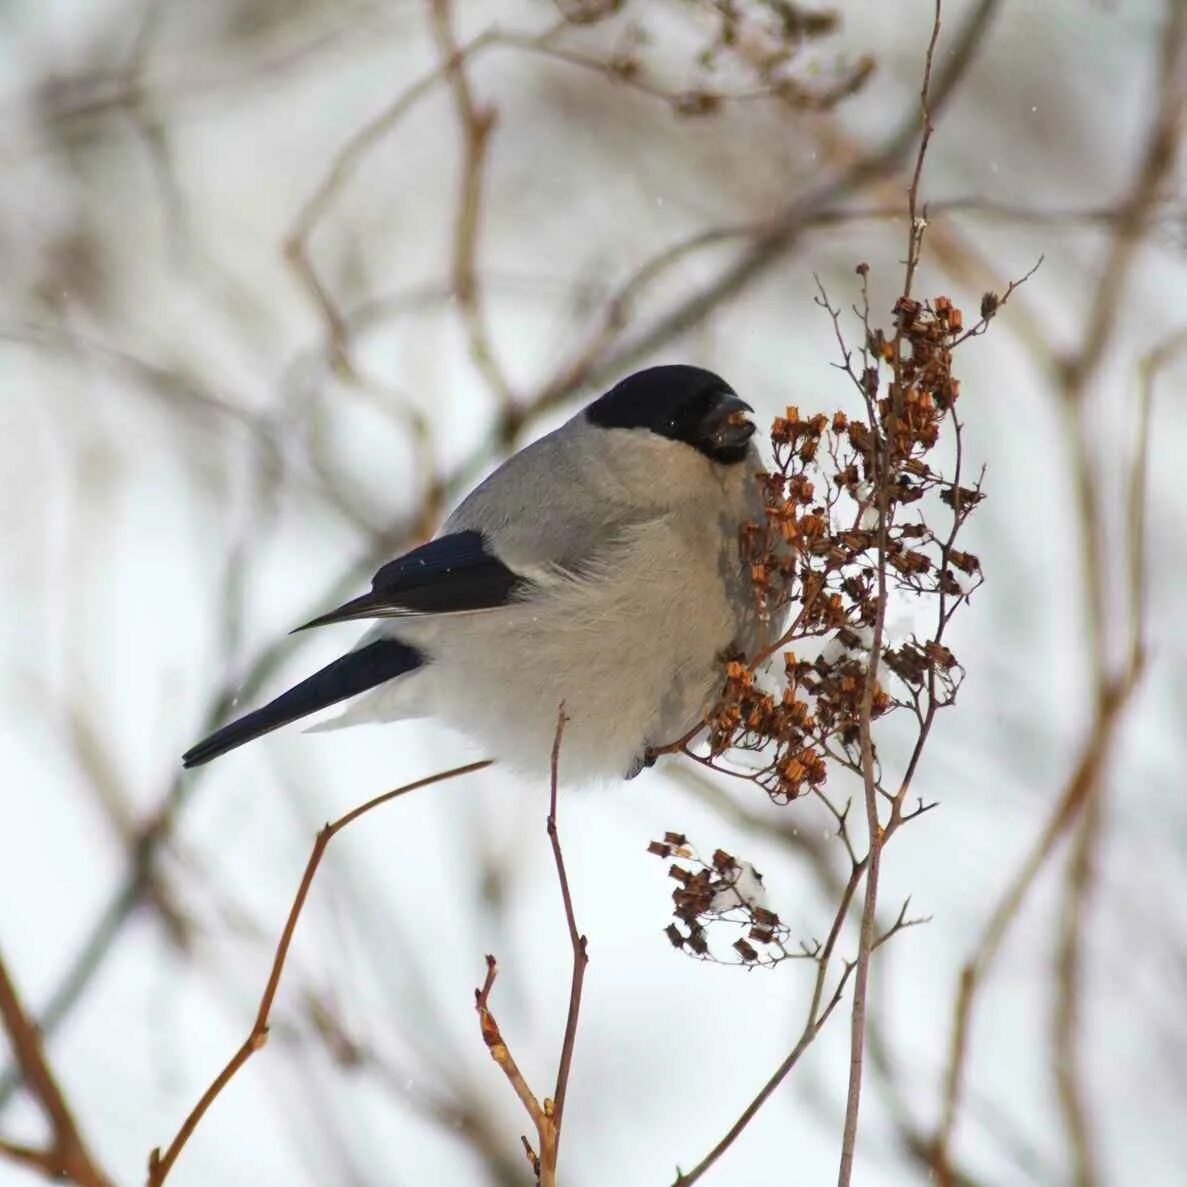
<point>770,246</point>
<point>626,70</point>
<point>452,1104</point>
<point>342,169</point>
<point>1081,874</point>
<point>158,826</point>
<point>476,122</point>
<point>782,234</point>
<point>976,969</point>
<point>1156,165</point>
<point>1078,807</point>
<point>159,1165</point>
<point>175,385</point>
<point>67,1156</point>
<point>98,767</point>
<point>74,107</point>
<point>152,128</point>
<point>769,243</point>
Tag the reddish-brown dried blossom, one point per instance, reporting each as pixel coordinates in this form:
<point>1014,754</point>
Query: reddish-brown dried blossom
<point>746,951</point>
<point>854,506</point>
<point>710,894</point>
<point>817,550</point>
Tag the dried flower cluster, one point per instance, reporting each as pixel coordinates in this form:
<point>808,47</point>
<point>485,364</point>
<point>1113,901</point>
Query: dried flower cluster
<point>722,890</point>
<point>770,41</point>
<point>754,50</point>
<point>843,492</point>
<point>856,506</point>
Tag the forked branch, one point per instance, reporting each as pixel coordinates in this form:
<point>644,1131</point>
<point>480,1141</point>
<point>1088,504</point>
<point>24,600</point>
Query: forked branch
<point>546,1115</point>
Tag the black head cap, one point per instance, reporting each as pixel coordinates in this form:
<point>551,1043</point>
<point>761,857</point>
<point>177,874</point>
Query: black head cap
<point>682,403</point>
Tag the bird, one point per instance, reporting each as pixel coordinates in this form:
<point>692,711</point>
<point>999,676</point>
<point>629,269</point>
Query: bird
<point>600,568</point>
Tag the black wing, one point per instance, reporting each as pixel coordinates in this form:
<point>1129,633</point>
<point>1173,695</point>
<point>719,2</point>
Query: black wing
<point>355,672</point>
<point>444,576</point>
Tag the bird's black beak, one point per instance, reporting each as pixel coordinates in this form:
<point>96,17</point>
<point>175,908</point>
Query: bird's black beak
<point>727,427</point>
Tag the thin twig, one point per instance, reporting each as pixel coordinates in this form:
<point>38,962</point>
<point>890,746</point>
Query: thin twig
<point>159,1165</point>
<point>547,1115</point>
<point>576,939</point>
<point>499,1050</point>
<point>819,1012</point>
<point>878,835</point>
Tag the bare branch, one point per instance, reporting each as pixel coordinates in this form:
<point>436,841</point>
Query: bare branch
<point>67,1157</point>
<point>883,478</point>
<point>476,123</point>
<point>159,1165</point>
<point>819,1011</point>
<point>576,940</point>
<point>547,1116</point>
<point>1077,807</point>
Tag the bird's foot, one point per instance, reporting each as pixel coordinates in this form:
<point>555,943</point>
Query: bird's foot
<point>645,760</point>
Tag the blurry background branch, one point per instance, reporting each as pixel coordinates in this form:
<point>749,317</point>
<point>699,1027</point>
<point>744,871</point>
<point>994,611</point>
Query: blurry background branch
<point>66,1156</point>
<point>283,279</point>
<point>1116,635</point>
<point>771,243</point>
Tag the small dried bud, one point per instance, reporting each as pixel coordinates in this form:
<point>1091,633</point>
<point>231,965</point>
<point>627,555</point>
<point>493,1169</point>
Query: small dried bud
<point>746,951</point>
<point>949,584</point>
<point>696,103</point>
<point>966,562</point>
<point>960,498</point>
<point>939,655</point>
<point>626,68</point>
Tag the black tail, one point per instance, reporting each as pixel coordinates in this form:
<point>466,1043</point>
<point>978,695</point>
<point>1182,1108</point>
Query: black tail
<point>355,672</point>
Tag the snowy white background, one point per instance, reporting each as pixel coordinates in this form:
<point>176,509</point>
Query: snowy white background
<point>152,335</point>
